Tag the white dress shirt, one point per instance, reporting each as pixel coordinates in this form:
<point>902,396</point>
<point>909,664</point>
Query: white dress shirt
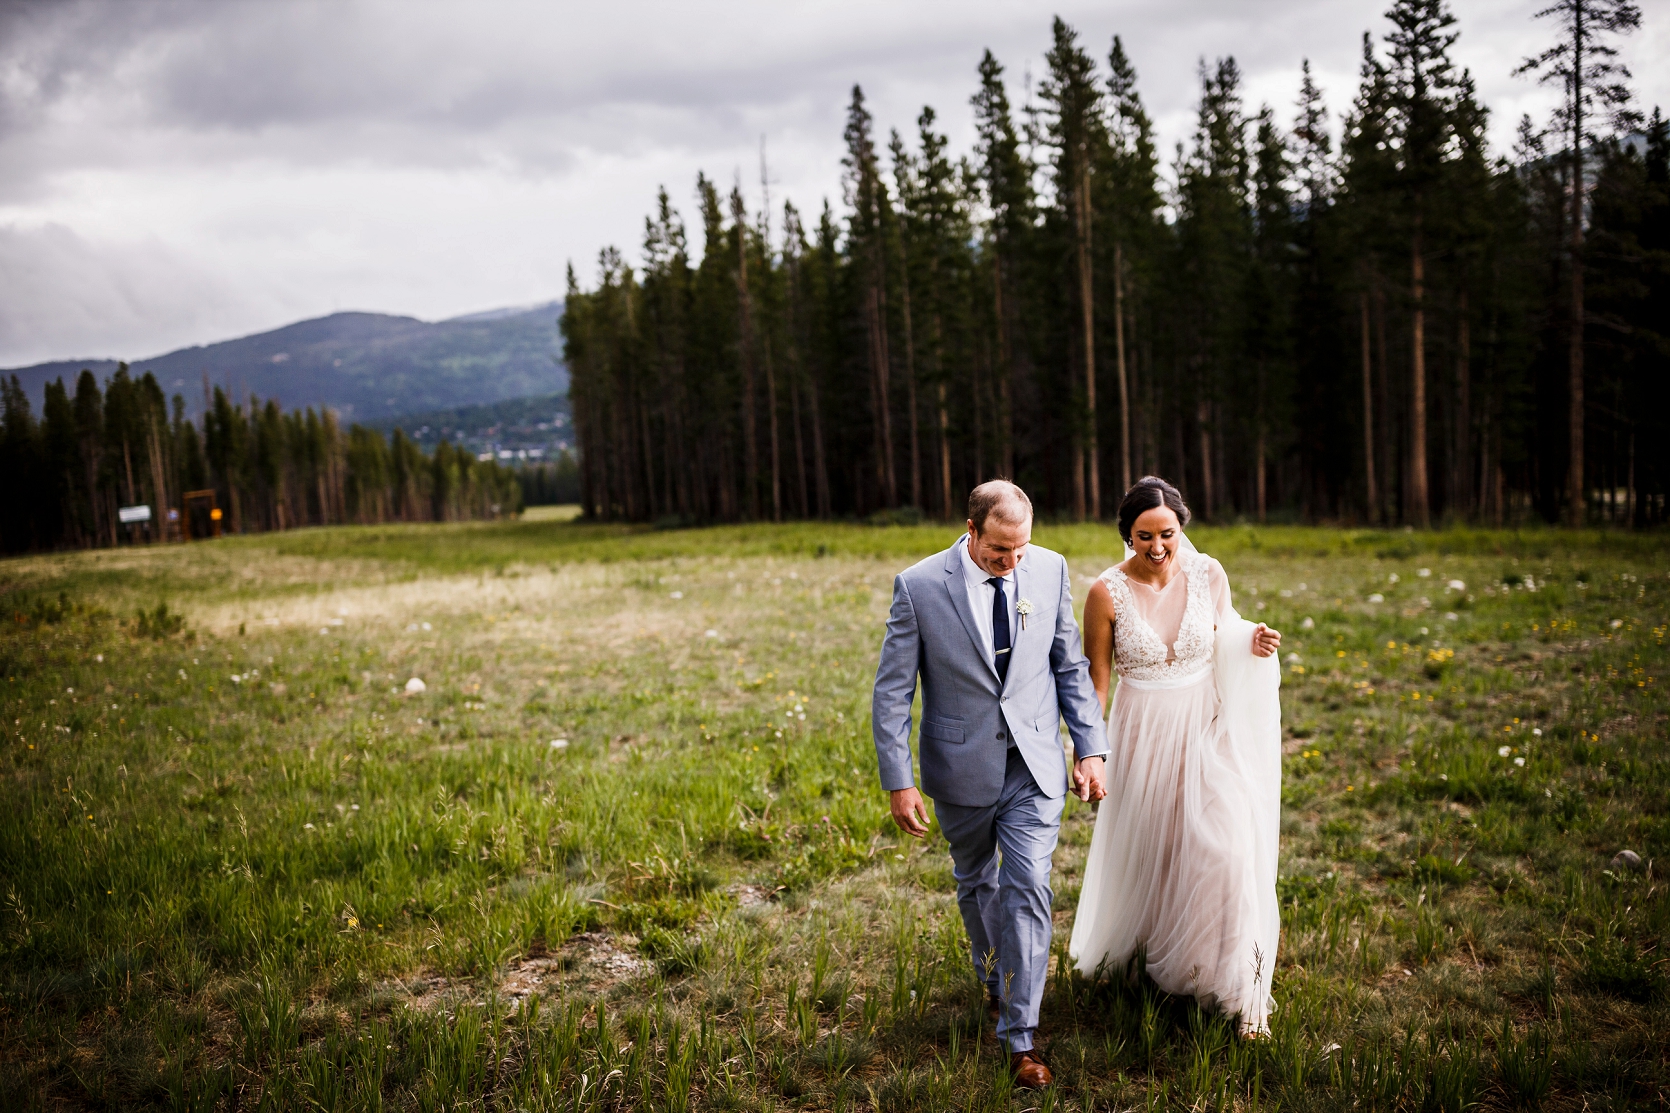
<point>980,602</point>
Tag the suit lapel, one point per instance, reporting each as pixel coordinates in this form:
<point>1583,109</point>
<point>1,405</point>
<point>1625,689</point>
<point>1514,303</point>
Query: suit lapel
<point>958,587</point>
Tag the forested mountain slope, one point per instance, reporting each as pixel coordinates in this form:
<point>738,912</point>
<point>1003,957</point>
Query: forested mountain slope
<point>365,366</point>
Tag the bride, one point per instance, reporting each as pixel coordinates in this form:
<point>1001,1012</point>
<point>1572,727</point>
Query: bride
<point>1183,862</point>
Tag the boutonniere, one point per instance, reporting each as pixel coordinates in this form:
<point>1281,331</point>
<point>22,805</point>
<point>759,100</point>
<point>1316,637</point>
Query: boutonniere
<point>1023,608</point>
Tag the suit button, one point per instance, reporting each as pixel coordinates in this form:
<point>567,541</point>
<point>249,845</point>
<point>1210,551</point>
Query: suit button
<point>1000,736</point>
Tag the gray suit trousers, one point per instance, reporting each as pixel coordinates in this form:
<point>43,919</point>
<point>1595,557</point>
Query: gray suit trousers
<point>1006,903</point>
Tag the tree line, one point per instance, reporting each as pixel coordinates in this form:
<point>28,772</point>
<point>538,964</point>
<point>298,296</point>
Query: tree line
<point>1403,327</point>
<point>97,450</point>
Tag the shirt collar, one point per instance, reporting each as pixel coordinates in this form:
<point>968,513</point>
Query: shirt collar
<point>977,575</point>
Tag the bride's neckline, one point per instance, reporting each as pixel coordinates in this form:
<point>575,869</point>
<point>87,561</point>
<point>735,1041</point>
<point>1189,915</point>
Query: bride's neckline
<point>1160,589</point>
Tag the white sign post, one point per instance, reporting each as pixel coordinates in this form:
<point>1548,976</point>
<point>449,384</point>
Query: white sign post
<point>132,515</point>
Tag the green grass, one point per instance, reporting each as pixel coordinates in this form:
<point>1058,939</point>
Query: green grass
<point>308,888</point>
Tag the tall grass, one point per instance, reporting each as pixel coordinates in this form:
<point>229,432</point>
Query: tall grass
<point>245,867</point>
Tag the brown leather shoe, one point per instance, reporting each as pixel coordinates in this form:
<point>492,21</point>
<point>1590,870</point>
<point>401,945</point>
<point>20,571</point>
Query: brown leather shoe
<point>1029,1070</point>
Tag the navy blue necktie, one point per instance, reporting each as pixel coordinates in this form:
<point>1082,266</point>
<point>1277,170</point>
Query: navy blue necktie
<point>1000,629</point>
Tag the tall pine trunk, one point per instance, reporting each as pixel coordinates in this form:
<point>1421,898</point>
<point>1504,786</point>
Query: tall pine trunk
<point>1372,493</point>
<point>1124,379</point>
<point>750,446</point>
<point>1087,302</point>
<point>1574,468</point>
<point>1462,466</point>
<point>910,388</point>
<point>1419,506</point>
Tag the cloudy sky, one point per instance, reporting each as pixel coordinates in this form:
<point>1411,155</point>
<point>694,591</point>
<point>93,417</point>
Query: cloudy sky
<point>177,173</point>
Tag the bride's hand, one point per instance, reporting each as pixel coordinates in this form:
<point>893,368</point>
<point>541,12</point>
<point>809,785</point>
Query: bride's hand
<point>1265,641</point>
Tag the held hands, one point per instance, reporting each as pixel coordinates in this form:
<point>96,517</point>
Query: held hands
<point>1265,641</point>
<point>1088,777</point>
<point>910,811</point>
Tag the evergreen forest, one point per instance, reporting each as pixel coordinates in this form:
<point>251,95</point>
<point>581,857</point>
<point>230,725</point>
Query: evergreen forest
<point>1400,326</point>
<point>95,451</point>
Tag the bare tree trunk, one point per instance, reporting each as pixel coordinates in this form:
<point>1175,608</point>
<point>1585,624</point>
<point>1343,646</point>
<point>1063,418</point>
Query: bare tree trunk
<point>776,451</point>
<point>750,447</point>
<point>1420,508</point>
<point>1463,465</point>
<point>1373,495</point>
<point>799,438</point>
<point>944,455</point>
<point>910,391</point>
<point>819,460</point>
<point>1004,374</point>
<point>159,483</point>
<point>1203,419</point>
<point>1260,479</point>
<point>1124,380</point>
<point>1088,305</point>
<point>1388,500</point>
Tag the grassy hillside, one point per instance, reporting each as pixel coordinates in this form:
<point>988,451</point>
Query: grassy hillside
<point>364,365</point>
<point>625,848</point>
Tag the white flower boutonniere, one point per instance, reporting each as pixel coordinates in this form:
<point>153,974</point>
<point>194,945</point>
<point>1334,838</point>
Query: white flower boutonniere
<point>1023,608</point>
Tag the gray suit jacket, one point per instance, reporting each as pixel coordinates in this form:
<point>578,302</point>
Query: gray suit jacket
<point>967,717</point>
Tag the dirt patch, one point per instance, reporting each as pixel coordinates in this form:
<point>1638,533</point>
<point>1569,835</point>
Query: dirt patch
<point>587,964</point>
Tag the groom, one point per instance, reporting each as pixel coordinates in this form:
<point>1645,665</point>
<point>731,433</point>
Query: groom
<point>988,624</point>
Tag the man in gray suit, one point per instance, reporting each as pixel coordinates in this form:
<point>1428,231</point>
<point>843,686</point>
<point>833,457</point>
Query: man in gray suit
<point>988,625</point>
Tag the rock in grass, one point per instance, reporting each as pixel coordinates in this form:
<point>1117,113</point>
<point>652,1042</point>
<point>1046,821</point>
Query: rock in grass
<point>416,685</point>
<point>1626,860</point>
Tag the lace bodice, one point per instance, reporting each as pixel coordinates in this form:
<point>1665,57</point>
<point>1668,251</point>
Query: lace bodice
<point>1139,653</point>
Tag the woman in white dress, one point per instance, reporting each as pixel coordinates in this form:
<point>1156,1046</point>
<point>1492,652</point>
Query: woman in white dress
<point>1182,865</point>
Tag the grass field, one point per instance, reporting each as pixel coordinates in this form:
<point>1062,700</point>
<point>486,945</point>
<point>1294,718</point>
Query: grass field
<point>626,849</point>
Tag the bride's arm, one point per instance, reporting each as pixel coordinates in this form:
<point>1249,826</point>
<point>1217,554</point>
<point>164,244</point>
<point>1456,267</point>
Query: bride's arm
<point>1098,640</point>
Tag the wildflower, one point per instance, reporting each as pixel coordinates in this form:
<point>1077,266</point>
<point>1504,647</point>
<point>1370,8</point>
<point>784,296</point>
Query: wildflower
<point>1308,624</point>
<point>559,743</point>
<point>1503,751</point>
<point>676,595</point>
<point>1519,761</point>
<point>1455,585</point>
<point>1377,598</point>
<point>1537,731</point>
<point>1423,573</point>
<point>1392,579</point>
<point>415,684</point>
<point>712,634</point>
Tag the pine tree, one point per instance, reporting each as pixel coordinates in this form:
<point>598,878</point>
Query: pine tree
<point>1422,102</point>
<point>1077,132</point>
<point>1584,64</point>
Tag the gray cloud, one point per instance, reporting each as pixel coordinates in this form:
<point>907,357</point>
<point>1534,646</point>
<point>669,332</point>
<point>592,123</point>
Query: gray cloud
<point>291,158</point>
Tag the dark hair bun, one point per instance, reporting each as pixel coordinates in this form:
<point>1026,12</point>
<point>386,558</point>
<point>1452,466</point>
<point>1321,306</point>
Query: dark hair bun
<point>1146,494</point>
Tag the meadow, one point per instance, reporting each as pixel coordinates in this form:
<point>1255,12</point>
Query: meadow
<point>547,815</point>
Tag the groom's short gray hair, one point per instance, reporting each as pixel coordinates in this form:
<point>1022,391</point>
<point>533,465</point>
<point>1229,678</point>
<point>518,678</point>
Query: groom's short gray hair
<point>999,498</point>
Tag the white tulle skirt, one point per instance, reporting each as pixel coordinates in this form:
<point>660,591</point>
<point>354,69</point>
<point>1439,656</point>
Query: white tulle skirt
<point>1183,861</point>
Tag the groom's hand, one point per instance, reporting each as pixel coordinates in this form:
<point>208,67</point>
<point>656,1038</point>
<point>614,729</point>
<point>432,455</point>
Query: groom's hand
<point>1088,777</point>
<point>910,811</point>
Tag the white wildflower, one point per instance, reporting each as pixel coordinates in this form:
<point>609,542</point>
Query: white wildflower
<point>1377,598</point>
<point>416,685</point>
<point>559,743</point>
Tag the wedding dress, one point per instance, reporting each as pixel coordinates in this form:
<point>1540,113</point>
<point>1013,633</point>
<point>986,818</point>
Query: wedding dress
<point>1183,861</point>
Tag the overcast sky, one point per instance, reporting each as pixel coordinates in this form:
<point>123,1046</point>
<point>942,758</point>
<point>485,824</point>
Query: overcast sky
<point>179,173</point>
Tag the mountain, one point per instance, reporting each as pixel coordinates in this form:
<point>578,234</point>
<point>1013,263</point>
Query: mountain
<point>366,366</point>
